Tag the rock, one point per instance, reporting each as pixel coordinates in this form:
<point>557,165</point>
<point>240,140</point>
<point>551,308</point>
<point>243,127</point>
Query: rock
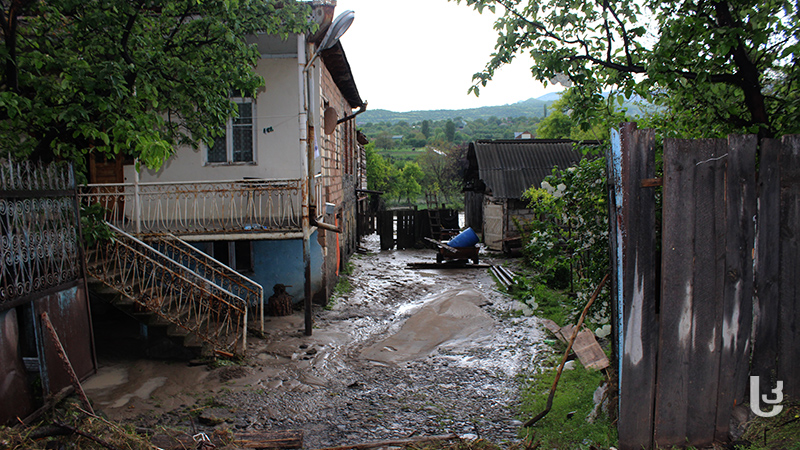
<point>215,416</point>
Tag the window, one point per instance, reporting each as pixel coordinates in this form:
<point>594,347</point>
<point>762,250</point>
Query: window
<point>237,145</point>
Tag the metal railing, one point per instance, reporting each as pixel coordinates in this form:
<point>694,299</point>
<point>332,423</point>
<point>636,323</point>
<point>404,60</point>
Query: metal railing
<point>200,207</point>
<point>211,269</point>
<point>158,285</point>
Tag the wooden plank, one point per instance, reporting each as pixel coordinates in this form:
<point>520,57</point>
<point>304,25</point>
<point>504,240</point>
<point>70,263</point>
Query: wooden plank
<point>633,159</point>
<point>738,281</point>
<point>789,357</point>
<point>255,440</point>
<point>702,370</point>
<point>767,268</point>
<point>589,352</point>
<point>386,229</point>
<point>677,298</point>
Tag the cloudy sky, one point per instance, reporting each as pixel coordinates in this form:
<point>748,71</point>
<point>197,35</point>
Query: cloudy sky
<point>420,54</point>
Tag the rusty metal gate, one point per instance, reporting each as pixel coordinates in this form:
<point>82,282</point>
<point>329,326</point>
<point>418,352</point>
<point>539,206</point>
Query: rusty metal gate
<point>41,271</point>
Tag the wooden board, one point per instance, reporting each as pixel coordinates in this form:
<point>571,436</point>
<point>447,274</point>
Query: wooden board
<point>254,440</point>
<point>765,345</point>
<point>708,250</point>
<point>740,196</point>
<point>635,328</point>
<point>677,301</point>
<point>454,264</point>
<point>589,352</point>
<point>789,358</point>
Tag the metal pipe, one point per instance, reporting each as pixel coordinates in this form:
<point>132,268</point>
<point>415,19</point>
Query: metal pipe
<point>307,169</point>
<point>137,204</point>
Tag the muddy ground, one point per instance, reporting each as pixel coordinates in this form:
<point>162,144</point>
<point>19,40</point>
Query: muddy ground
<point>407,352</point>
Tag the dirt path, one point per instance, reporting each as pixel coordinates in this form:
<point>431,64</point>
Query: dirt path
<point>407,352</point>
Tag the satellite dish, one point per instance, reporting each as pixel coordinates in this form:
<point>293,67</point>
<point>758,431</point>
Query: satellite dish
<point>329,120</point>
<point>340,24</point>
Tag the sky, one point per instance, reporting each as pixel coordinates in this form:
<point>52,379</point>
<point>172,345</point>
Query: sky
<point>409,55</point>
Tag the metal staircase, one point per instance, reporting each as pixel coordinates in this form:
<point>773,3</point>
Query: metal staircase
<point>172,284</point>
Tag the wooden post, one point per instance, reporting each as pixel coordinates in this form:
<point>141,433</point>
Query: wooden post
<point>632,159</point>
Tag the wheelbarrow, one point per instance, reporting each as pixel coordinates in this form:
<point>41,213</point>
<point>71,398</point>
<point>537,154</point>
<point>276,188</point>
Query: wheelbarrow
<point>448,253</point>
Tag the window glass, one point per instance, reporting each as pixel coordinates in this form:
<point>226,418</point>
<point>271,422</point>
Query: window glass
<point>237,143</point>
<point>218,151</point>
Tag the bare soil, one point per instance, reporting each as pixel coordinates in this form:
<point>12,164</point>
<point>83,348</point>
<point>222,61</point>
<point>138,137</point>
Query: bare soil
<point>406,353</point>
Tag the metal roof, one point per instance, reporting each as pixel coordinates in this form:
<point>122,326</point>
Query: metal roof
<point>509,167</point>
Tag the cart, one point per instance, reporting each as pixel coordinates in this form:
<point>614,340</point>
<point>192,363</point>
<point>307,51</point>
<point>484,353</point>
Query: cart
<point>446,252</point>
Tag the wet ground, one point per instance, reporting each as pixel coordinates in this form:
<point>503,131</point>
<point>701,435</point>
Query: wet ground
<point>407,352</point>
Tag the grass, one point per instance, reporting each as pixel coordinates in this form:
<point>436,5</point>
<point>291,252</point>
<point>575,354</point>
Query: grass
<point>343,285</point>
<point>781,432</point>
<point>545,302</point>
<point>566,425</point>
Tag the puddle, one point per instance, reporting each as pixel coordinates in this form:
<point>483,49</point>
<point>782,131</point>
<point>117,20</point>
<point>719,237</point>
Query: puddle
<point>407,351</point>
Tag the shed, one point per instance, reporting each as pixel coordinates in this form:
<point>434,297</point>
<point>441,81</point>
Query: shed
<point>498,172</point>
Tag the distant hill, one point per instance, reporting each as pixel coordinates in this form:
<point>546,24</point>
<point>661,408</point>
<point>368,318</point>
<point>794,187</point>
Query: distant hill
<point>533,107</point>
<point>527,108</point>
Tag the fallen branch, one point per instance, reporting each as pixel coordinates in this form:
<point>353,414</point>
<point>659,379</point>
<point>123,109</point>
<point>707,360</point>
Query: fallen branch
<point>62,354</point>
<point>539,416</point>
<point>398,442</point>
<point>85,434</point>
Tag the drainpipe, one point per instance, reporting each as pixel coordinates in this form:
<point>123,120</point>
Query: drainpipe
<point>307,169</point>
<point>137,202</point>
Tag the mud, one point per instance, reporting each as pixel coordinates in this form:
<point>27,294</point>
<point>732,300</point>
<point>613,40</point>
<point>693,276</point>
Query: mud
<point>406,352</point>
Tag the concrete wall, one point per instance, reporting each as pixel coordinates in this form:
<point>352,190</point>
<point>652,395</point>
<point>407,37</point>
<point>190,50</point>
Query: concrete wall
<point>281,262</point>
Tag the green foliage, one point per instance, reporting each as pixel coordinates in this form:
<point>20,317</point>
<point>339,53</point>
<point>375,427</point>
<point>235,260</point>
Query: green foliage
<point>450,131</point>
<point>714,67</point>
<point>410,176</point>
<point>136,78</point>
<point>93,226</point>
<point>567,244</point>
<point>566,425</point>
<point>555,126</point>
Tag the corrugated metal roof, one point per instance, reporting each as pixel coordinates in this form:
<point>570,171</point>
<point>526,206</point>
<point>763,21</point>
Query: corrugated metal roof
<point>509,167</point>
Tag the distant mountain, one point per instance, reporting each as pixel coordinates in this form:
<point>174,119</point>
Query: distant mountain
<point>532,107</point>
<point>551,97</point>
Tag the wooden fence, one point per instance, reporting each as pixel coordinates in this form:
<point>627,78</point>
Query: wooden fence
<point>729,248</point>
<point>406,227</point>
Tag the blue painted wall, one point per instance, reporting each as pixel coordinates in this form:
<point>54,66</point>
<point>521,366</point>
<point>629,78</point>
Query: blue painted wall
<point>282,262</point>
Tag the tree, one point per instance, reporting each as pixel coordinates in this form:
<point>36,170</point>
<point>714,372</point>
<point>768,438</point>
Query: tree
<point>409,182</point>
<point>426,128</point>
<point>133,77</point>
<point>717,67</point>
<point>384,140</point>
<point>450,130</point>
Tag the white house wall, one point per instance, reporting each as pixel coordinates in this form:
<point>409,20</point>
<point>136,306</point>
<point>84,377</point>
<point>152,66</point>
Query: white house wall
<point>277,136</point>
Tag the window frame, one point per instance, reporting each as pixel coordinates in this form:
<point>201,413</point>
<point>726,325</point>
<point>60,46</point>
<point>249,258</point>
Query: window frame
<point>229,128</point>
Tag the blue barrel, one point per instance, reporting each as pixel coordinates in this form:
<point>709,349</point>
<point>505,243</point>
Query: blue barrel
<point>466,238</point>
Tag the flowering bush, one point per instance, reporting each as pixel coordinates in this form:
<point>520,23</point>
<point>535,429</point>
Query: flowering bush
<point>566,244</point>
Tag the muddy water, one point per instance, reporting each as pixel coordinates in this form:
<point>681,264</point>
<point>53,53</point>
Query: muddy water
<point>407,352</point>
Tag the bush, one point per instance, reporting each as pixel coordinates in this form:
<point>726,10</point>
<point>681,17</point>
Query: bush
<point>566,246</point>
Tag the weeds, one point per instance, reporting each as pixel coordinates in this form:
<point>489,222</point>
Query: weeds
<point>774,433</point>
<point>566,425</point>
